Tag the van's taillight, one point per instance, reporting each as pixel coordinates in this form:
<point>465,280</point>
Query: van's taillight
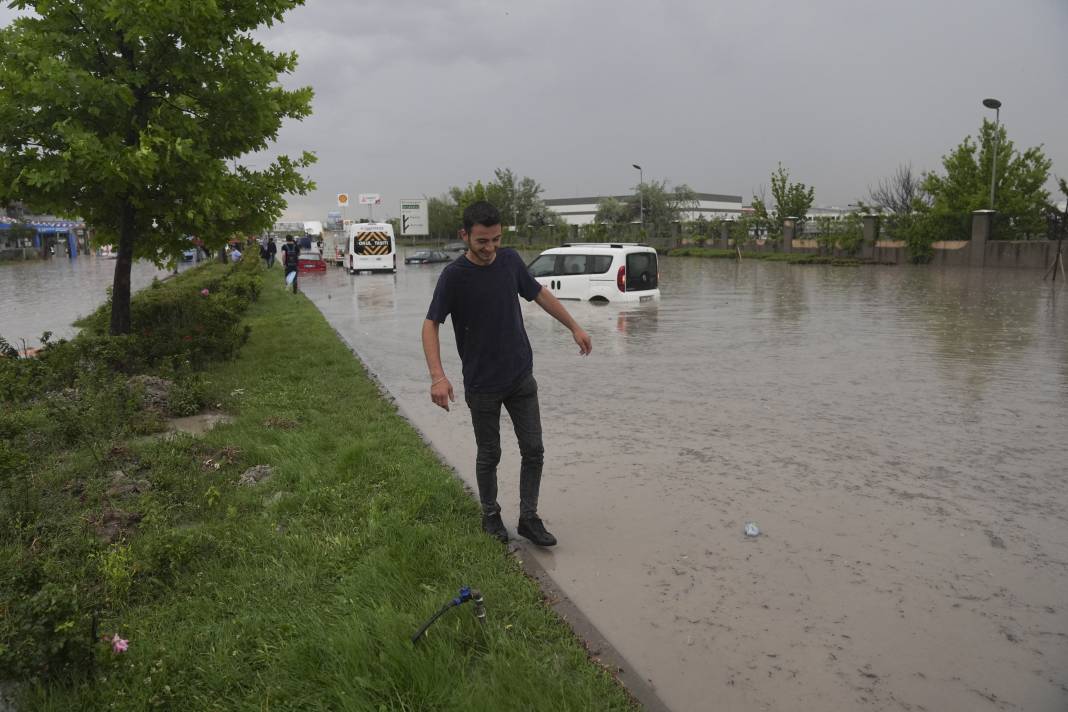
<point>621,278</point>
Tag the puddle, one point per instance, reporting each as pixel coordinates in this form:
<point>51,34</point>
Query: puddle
<point>197,424</point>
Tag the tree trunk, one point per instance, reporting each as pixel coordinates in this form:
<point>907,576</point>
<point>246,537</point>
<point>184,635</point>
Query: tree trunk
<point>120,289</point>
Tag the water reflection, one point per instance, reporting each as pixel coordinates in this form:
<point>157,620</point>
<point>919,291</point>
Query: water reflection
<point>50,295</point>
<point>638,323</point>
<point>980,324</point>
<point>786,293</point>
<point>376,294</point>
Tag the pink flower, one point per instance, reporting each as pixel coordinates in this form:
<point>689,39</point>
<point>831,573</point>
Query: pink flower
<point>119,645</point>
<point>204,292</point>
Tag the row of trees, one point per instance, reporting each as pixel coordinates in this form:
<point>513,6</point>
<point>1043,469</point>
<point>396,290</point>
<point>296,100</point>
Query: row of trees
<point>921,208</point>
<point>938,205</point>
<point>518,199</point>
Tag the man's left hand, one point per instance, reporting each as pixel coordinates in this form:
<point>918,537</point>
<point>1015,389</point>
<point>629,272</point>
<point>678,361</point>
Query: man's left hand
<point>585,343</point>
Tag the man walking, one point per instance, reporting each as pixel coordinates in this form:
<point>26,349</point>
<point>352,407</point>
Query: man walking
<point>291,260</point>
<point>272,250</point>
<point>480,291</point>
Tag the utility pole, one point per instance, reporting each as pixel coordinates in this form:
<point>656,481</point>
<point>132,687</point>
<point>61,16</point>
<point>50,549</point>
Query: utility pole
<point>641,196</point>
<point>996,106</point>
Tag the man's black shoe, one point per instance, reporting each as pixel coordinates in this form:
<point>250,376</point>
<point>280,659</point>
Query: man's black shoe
<point>492,525</point>
<point>534,531</point>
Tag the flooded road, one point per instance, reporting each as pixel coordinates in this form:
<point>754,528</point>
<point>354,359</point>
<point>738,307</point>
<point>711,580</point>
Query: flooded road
<point>900,436</point>
<point>50,295</point>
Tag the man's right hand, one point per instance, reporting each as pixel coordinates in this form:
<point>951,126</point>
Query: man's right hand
<point>441,393</point>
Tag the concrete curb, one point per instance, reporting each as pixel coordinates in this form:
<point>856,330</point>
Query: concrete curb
<point>600,650</point>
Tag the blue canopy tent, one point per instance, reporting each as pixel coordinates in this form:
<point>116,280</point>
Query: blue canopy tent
<point>43,228</point>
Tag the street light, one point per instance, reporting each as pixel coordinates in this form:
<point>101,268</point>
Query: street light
<point>641,196</point>
<point>996,106</point>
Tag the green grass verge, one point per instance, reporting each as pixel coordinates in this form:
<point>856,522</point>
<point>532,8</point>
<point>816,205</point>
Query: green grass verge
<point>789,258</point>
<point>302,592</point>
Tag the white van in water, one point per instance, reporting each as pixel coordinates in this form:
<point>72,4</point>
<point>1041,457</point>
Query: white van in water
<point>371,248</point>
<point>613,272</point>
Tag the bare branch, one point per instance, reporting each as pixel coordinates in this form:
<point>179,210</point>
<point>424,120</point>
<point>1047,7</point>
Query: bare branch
<point>899,192</point>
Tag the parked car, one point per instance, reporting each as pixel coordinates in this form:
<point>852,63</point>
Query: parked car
<point>311,262</point>
<point>613,272</point>
<point>455,247</point>
<point>425,257</point>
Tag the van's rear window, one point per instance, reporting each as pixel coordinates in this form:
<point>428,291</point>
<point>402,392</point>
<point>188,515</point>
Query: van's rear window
<point>641,271</point>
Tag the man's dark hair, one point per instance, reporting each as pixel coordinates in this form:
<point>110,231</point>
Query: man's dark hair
<point>481,213</point>
<point>289,238</point>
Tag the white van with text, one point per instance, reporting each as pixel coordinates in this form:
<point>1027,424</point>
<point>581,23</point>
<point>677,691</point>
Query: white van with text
<point>372,248</point>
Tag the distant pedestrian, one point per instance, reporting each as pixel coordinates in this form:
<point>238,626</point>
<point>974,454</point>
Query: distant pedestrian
<point>291,259</point>
<point>272,250</point>
<point>263,251</point>
<point>235,254</point>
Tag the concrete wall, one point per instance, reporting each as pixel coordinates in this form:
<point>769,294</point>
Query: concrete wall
<point>1000,254</point>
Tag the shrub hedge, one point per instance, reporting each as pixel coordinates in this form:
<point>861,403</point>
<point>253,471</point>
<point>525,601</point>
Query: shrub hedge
<point>60,414</point>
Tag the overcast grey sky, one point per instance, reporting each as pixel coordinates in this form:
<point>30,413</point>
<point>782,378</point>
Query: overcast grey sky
<point>413,97</point>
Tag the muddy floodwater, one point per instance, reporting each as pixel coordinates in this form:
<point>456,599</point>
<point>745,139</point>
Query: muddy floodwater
<point>899,435</point>
<point>49,295</point>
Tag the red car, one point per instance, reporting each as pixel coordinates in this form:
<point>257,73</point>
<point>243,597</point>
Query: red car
<point>311,262</point>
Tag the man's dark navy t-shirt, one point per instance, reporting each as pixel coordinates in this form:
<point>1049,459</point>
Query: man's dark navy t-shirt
<point>486,318</point>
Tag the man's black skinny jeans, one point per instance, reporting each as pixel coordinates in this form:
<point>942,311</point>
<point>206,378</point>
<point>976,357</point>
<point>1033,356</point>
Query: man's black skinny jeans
<point>521,402</point>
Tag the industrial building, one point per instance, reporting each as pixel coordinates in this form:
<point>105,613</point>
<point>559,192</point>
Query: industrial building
<point>582,211</point>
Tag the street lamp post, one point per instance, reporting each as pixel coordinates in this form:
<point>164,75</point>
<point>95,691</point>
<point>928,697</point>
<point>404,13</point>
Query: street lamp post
<point>641,196</point>
<point>996,106</point>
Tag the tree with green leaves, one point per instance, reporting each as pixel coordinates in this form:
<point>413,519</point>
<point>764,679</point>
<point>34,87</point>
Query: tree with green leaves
<point>462,197</point>
<point>444,218</point>
<point>542,216</point>
<point>613,212</point>
<point>517,198</point>
<point>135,116</point>
<point>792,200</point>
<point>663,206</point>
<point>1020,198</point>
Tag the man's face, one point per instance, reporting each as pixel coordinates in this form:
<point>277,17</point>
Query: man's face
<point>482,243</point>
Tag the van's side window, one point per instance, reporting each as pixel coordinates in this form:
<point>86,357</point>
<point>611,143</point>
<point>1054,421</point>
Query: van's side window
<point>573,264</point>
<point>599,264</point>
<point>544,266</point>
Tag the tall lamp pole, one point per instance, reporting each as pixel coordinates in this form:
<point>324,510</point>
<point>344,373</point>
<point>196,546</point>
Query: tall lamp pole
<point>641,196</point>
<point>996,106</point>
